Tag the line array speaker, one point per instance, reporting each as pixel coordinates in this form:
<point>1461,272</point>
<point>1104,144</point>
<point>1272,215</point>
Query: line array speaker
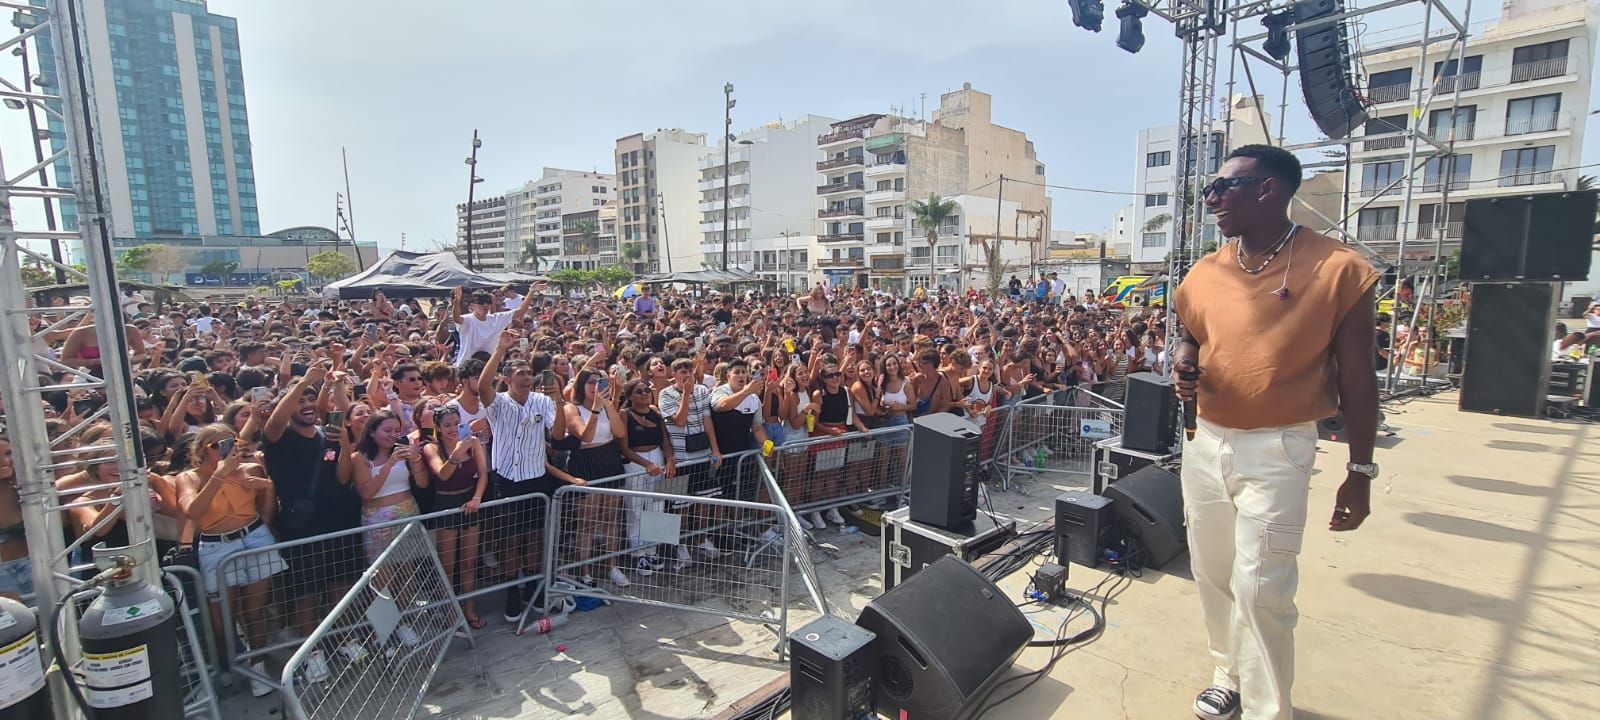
<point>1325,69</point>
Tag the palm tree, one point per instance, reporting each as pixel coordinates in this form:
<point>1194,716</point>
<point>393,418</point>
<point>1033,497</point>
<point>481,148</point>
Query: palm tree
<point>590,233</point>
<point>530,253</point>
<point>930,215</point>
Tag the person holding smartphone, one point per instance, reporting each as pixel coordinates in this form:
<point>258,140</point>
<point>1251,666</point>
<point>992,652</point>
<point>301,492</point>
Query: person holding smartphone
<point>460,475</point>
<point>385,466</point>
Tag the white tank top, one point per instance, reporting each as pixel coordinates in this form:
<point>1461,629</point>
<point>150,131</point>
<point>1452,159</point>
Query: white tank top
<point>468,418</point>
<point>978,395</point>
<point>398,481</point>
<point>897,397</point>
<point>602,427</point>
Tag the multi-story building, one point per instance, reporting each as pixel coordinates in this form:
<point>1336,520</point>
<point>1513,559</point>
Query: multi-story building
<point>1523,89</point>
<point>524,225</point>
<point>170,113</point>
<point>589,239</point>
<point>658,198</point>
<point>874,165</point>
<point>488,247</point>
<point>772,174</point>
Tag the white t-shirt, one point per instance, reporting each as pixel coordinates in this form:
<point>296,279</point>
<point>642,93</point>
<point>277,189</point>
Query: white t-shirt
<point>512,302</point>
<point>203,324</point>
<point>480,335</point>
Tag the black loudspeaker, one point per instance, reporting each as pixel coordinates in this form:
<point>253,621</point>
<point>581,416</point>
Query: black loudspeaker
<point>1528,237</point>
<point>1150,414</point>
<point>1325,69</point>
<point>944,637</point>
<point>831,667</point>
<point>1081,523</point>
<point>1509,332</point>
<point>1149,504</point>
<point>944,471</point>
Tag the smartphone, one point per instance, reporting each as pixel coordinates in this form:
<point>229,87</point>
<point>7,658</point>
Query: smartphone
<point>200,380</point>
<point>463,431</point>
<point>772,375</point>
<point>604,383</point>
<point>260,394</point>
<point>522,344</point>
<point>372,331</point>
<point>425,434</point>
<point>226,446</point>
<point>336,419</point>
<point>402,440</point>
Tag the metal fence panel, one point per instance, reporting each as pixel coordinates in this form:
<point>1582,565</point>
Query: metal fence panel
<point>1042,440</point>
<point>829,472</point>
<point>197,649</point>
<point>402,614</point>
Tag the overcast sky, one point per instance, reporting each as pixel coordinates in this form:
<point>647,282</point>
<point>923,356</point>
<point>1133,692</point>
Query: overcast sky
<point>402,85</point>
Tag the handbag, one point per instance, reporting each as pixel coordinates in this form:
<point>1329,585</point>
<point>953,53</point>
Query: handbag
<point>294,516</point>
<point>697,442</point>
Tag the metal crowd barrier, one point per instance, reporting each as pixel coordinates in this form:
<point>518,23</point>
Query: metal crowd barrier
<point>199,652</point>
<point>1039,440</point>
<point>823,473</point>
<point>322,568</point>
<point>402,613</point>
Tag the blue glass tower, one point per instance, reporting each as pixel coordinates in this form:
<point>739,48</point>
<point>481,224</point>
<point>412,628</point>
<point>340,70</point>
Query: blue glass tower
<point>171,119</point>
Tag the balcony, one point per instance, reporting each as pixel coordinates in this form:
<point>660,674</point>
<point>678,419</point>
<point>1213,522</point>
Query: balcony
<point>733,181</point>
<point>891,265</point>
<point>715,226</point>
<point>882,169</point>
<point>1434,184</point>
<point>1448,231</point>
<point>844,212</point>
<point>841,262</point>
<point>1530,177</point>
<point>849,160</point>
<point>1376,233</point>
<point>1541,122</point>
<point>716,205</point>
<point>844,237</point>
<point>886,196</point>
<point>1449,83</point>
<point>879,143</point>
<point>1539,69</point>
<point>840,187</point>
<point>1388,93</point>
<point>886,222</point>
<point>1384,189</point>
<point>1384,143</point>
<point>1463,131</point>
<point>842,135</point>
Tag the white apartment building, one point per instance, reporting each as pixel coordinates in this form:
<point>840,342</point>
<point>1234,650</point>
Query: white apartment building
<point>1523,103</point>
<point>772,175</point>
<point>658,197</point>
<point>488,234</point>
<point>589,239</point>
<point>1119,237</point>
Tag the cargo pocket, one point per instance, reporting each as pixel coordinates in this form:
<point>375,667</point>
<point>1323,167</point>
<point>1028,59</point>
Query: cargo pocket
<point>1278,573</point>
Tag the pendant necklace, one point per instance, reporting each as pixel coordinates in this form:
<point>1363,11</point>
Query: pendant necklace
<point>1238,251</point>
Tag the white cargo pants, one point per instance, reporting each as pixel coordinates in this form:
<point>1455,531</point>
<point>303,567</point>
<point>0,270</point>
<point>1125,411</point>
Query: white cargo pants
<point>1244,499</point>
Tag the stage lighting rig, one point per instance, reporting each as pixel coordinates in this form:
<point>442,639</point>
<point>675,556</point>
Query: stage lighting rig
<point>1131,35</point>
<point>1087,14</point>
<point>1277,43</point>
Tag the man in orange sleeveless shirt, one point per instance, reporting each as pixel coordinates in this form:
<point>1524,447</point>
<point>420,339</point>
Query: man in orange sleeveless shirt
<point>1279,324</point>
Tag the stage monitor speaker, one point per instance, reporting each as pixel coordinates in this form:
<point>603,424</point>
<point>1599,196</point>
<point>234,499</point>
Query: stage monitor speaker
<point>1150,415</point>
<point>1081,523</point>
<point>944,637</point>
<point>945,472</point>
<point>831,668</point>
<point>1528,237</point>
<point>1509,332</point>
<point>1325,69</point>
<point>1149,505</point>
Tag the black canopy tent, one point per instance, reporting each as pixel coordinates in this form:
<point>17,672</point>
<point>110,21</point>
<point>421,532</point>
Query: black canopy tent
<point>407,275</point>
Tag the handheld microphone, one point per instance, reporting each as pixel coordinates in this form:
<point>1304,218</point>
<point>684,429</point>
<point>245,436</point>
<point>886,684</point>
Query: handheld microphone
<point>1189,374</point>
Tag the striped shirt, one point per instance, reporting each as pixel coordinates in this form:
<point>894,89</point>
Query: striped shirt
<point>699,414</point>
<point>519,435</point>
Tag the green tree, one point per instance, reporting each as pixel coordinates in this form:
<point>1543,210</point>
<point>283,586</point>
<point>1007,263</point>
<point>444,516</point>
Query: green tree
<point>35,275</point>
<point>1156,223</point>
<point>220,269</point>
<point>632,251</point>
<point>330,265</point>
<point>613,276</point>
<point>589,234</point>
<point>568,276</point>
<point>530,255</point>
<point>930,215</point>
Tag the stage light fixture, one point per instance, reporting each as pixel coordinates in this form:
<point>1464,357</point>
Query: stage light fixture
<point>1087,14</point>
<point>1277,42</point>
<point>1131,36</point>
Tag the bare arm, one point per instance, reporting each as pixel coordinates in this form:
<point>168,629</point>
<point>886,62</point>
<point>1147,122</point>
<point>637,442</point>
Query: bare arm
<point>1358,402</point>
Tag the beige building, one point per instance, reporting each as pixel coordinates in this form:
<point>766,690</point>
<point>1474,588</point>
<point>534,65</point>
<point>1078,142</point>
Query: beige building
<point>658,199</point>
<point>488,216</point>
<point>589,239</point>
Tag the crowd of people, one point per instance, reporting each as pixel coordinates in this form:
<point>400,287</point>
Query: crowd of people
<point>275,420</point>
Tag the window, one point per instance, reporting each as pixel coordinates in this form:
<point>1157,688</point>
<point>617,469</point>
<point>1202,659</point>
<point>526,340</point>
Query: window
<point>1532,62</point>
<point>1445,76</point>
<point>1384,126</point>
<point>1463,123</point>
<point>1532,114</point>
<point>1154,240</point>
<point>919,250</point>
<point>1377,224</point>
<point>1377,177</point>
<point>1158,159</point>
<point>1432,225</point>
<point>1389,86</point>
<point>882,238</point>
<point>1155,200</point>
<point>1038,170</point>
<point>899,238</point>
<point>946,254</point>
<point>885,185</point>
<point>1458,168</point>
<point>883,212</point>
<point>1527,166</point>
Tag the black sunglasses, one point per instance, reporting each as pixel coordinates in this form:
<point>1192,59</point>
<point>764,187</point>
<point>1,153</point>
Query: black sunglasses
<point>830,376</point>
<point>1222,185</point>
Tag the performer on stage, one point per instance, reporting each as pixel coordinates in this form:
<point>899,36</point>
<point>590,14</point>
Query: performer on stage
<point>1279,324</point>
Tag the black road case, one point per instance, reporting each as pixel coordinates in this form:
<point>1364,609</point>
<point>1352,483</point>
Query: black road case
<point>908,546</point>
<point>1112,461</point>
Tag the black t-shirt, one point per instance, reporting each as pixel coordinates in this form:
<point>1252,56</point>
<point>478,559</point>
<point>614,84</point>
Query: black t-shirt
<point>722,315</point>
<point>294,462</point>
<point>1381,362</point>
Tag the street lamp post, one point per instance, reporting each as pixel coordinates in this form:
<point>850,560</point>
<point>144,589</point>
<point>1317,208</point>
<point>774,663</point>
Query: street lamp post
<point>472,185</point>
<point>727,145</point>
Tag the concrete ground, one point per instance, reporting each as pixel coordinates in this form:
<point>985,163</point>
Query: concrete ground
<point>1472,592</point>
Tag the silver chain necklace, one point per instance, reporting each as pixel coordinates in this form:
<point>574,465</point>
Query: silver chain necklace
<point>1238,251</point>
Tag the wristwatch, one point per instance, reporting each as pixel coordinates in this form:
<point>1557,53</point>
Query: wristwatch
<point>1368,469</point>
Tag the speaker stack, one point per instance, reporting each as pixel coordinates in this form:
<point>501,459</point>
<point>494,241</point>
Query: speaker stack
<point>1517,251</point>
<point>1325,68</point>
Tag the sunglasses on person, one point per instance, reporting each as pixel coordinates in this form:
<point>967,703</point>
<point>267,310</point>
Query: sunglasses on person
<point>831,376</point>
<point>641,391</point>
<point>1222,185</point>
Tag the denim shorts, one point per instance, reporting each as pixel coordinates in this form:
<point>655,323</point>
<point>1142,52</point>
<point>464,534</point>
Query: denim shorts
<point>16,577</point>
<point>257,567</point>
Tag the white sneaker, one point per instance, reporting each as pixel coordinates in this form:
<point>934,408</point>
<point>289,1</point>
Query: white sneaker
<point>490,561</point>
<point>406,635</point>
<point>316,669</point>
<point>644,567</point>
<point>684,558</point>
<point>804,523</point>
<point>618,578</point>
<point>710,549</point>
<point>353,652</point>
<point>770,535</point>
<point>258,688</point>
<point>834,516</point>
<point>817,521</point>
